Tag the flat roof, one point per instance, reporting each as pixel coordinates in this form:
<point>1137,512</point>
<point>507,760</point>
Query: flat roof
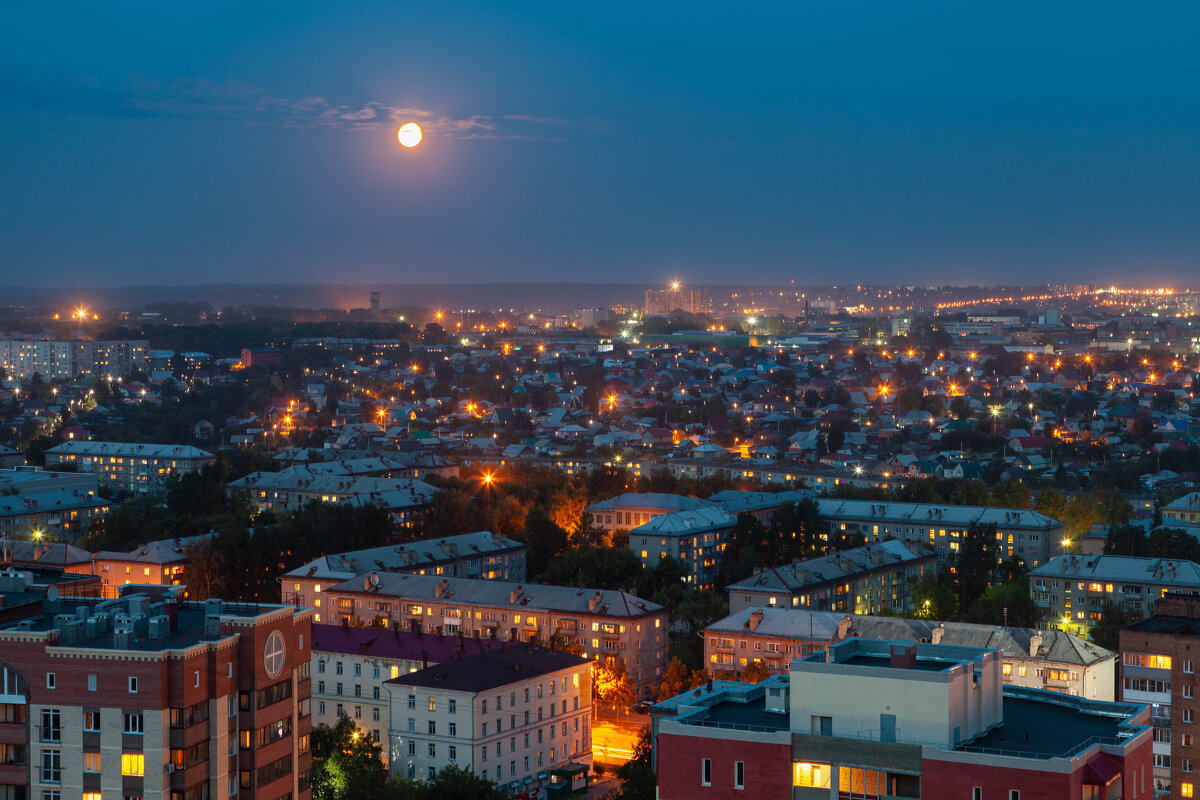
<point>752,714</point>
<point>1178,626</point>
<point>920,663</point>
<point>1046,729</point>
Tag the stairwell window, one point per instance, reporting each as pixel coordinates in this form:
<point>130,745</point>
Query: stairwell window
<point>739,774</point>
<point>706,772</point>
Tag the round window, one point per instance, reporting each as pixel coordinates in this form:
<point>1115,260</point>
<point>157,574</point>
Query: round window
<point>273,654</point>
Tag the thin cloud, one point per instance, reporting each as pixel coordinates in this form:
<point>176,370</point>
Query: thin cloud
<point>235,102</point>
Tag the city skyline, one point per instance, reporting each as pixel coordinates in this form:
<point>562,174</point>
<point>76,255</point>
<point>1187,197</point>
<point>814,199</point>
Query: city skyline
<point>927,144</point>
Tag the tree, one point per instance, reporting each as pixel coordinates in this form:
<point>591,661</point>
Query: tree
<point>612,685</point>
<point>675,680</point>
<point>1006,604</point>
<point>976,562</point>
<point>755,672</point>
<point>566,507</point>
<point>1106,632</point>
<point>934,598</point>
<point>637,774</point>
<point>346,763</point>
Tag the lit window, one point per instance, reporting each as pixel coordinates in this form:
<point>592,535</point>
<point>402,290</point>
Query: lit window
<point>811,775</point>
<point>133,765</point>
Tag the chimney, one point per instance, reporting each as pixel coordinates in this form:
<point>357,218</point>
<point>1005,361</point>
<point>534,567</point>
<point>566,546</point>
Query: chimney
<point>755,619</point>
<point>1035,643</point>
<point>903,656</point>
<point>424,659</point>
<point>593,602</point>
<point>843,629</point>
<point>935,636</point>
<point>441,588</point>
<point>515,594</point>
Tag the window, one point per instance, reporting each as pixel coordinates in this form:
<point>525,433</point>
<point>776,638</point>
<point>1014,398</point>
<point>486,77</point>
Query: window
<point>1186,766</point>
<point>50,680</point>
<point>453,753</point>
<point>132,684</point>
<point>91,683</point>
<point>51,766</point>
<point>822,726</point>
<point>433,704</point>
<point>133,723</point>
<point>1188,667</point>
<point>706,772</point>
<point>412,748</point>
<point>739,775</point>
<point>1185,790</point>
<point>412,701</point>
<point>91,762</point>
<point>432,728</point>
<point>977,793</point>
<point>1187,715</point>
<point>432,750</point>
<point>1186,740</point>
<point>451,706</point>
<point>816,776</point>
<point>453,730</point>
<point>133,765</point>
<point>51,725</point>
<point>1014,794</point>
<point>91,721</point>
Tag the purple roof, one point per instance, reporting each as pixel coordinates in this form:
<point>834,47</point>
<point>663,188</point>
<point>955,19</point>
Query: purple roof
<point>393,643</point>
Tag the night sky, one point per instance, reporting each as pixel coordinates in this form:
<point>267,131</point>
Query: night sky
<point>838,142</point>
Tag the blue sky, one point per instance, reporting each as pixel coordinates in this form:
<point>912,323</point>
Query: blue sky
<point>821,143</point>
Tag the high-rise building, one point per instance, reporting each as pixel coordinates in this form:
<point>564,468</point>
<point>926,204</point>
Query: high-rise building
<point>662,302</point>
<point>375,304</point>
<point>73,359</point>
<point>147,696</point>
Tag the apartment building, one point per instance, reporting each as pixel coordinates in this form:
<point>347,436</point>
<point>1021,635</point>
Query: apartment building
<point>1053,660</point>
<point>1072,589</point>
<point>607,625</point>
<point>1158,668</point>
<point>350,666</point>
<point>163,562</point>
<point>1023,533</point>
<point>509,714</point>
<point>664,302</point>
<point>1183,509</point>
<point>861,580</point>
<point>63,515</point>
<point>73,359</point>
<point>484,555</point>
<point>137,468</point>
<point>873,719</point>
<point>147,696</point>
<point>404,499</point>
<point>628,511</point>
<point>694,538</point>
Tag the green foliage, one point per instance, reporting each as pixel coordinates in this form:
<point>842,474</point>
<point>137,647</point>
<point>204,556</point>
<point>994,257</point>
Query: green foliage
<point>1113,617</point>
<point>1011,596</point>
<point>976,562</point>
<point>637,774</point>
<point>346,763</point>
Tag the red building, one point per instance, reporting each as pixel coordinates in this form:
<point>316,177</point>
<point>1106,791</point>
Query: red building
<point>147,696</point>
<point>871,719</point>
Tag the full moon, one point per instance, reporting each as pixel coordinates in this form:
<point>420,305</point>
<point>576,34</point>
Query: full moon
<point>409,134</point>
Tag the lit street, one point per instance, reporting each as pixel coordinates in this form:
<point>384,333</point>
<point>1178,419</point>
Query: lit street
<point>613,740</point>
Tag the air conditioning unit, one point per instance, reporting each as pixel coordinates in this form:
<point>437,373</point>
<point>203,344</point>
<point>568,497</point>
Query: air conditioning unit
<point>168,768</point>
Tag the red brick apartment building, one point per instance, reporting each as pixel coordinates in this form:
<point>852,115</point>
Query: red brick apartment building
<point>146,696</point>
<point>1158,668</point>
<point>876,720</point>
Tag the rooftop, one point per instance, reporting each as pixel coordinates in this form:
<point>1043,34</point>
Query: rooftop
<point>394,644</point>
<point>1039,724</point>
<point>729,704</point>
<point>492,667</point>
<point>832,567</point>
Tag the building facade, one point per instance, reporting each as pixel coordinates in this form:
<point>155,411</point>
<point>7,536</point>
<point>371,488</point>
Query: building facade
<point>663,302</point>
<point>695,539</point>
<point>136,468</point>
<point>509,714</point>
<point>1053,660</point>
<point>1072,589</point>
<point>134,698</point>
<point>350,666</point>
<point>1158,668</point>
<point>860,580</point>
<point>875,719</point>
<point>608,626</point>
<point>483,555</point>
<point>73,359</point>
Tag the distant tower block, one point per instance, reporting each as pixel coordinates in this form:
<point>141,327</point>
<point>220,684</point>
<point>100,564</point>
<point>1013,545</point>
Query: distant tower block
<point>375,304</point>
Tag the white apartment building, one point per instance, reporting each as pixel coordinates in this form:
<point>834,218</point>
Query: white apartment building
<point>509,714</point>
<point>350,666</point>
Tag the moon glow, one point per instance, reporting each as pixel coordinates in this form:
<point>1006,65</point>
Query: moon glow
<point>409,134</point>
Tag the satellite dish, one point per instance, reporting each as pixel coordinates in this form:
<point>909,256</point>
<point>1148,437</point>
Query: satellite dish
<point>52,593</point>
<point>374,579</point>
